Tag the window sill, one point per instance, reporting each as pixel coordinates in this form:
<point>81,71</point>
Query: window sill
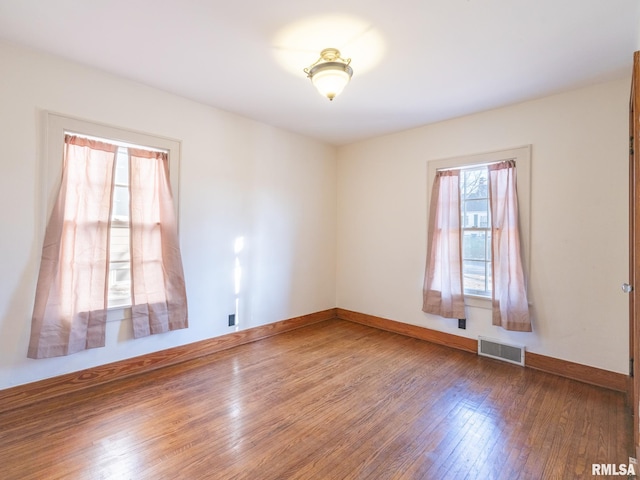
<point>118,314</point>
<point>477,301</point>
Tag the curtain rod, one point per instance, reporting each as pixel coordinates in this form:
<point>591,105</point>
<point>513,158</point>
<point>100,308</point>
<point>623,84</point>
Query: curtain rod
<point>474,165</point>
<point>119,143</point>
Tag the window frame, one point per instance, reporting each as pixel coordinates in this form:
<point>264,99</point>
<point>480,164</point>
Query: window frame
<point>475,228</point>
<point>118,226</point>
<point>55,126</point>
<point>522,156</point>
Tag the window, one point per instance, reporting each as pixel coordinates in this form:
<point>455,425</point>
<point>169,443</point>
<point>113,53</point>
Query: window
<point>110,189</point>
<point>111,245</point>
<point>119,284</point>
<point>119,287</point>
<point>475,221</point>
<point>476,231</point>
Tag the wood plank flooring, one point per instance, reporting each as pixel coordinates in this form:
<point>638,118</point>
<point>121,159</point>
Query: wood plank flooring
<point>335,400</point>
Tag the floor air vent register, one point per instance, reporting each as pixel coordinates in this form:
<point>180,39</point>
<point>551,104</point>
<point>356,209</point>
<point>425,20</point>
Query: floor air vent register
<point>507,352</point>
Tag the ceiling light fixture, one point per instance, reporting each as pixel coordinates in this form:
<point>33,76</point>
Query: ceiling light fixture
<point>330,73</point>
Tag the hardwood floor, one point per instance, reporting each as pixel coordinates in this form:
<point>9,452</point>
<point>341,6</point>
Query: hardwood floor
<point>335,400</point>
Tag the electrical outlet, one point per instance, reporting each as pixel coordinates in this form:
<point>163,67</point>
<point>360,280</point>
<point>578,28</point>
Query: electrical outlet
<point>462,323</point>
<point>232,319</point>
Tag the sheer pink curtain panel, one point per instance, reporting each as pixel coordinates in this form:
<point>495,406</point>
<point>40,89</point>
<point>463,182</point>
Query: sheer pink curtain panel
<point>443,290</point>
<point>70,306</point>
<point>509,303</point>
<point>158,287</point>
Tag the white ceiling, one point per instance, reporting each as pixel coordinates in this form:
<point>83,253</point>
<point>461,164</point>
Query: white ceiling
<point>415,61</point>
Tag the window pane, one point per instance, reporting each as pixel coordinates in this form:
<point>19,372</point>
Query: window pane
<point>474,198</point>
<point>119,285</point>
<point>474,245</point>
<point>122,167</point>
<point>476,277</point>
<point>476,213</point>
<point>474,183</point>
<point>120,204</point>
<point>119,244</point>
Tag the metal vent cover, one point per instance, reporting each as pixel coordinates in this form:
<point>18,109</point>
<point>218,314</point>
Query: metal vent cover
<point>512,353</point>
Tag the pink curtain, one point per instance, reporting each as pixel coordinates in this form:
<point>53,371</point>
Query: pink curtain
<point>443,290</point>
<point>159,297</point>
<point>70,308</point>
<point>510,305</point>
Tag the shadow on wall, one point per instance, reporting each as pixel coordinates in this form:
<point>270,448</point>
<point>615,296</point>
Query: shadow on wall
<point>15,326</point>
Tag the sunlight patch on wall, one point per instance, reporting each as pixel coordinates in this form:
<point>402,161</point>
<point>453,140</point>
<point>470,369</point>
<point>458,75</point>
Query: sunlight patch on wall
<point>238,246</point>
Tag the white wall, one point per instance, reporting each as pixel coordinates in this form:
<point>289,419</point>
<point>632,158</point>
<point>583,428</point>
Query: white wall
<point>579,211</point>
<point>238,178</point>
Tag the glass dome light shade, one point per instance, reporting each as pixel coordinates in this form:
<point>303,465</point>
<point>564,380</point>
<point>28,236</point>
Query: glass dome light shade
<point>330,78</point>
